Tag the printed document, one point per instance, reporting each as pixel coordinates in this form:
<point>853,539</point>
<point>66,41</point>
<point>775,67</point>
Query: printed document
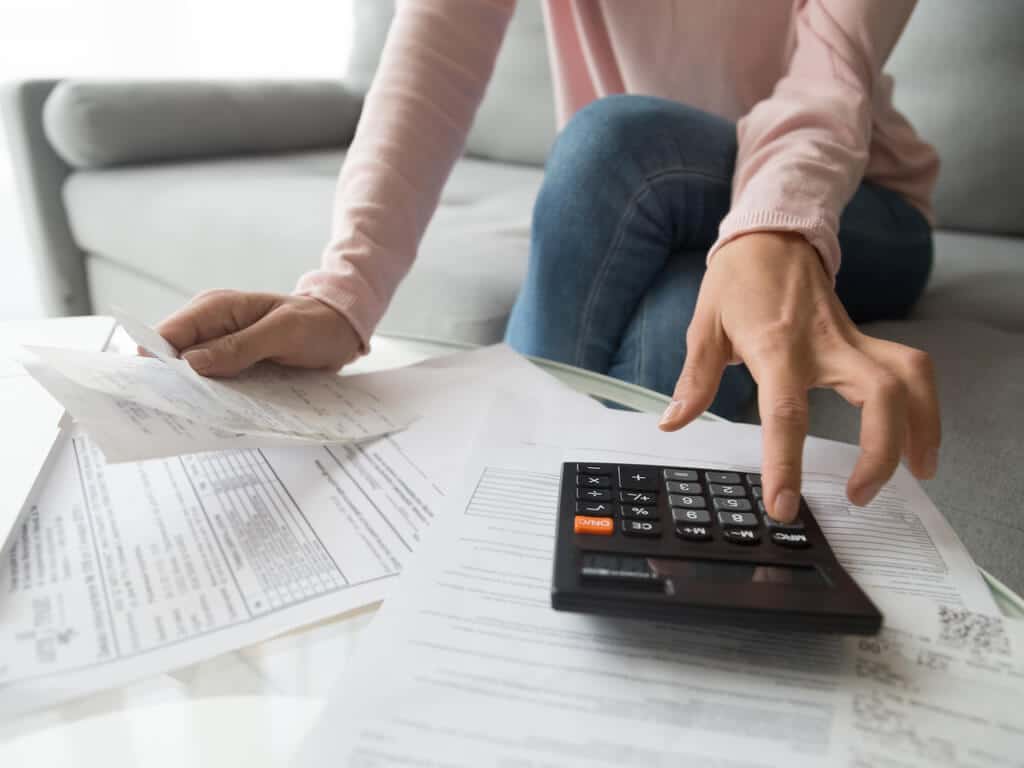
<point>467,664</point>
<point>127,570</point>
<point>148,407</point>
<point>30,416</point>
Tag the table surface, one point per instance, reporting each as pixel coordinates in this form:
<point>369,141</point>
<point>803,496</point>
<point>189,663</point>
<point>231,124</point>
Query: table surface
<point>251,707</point>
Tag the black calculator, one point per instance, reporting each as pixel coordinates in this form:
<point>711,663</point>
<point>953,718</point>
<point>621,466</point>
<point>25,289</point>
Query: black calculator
<point>691,545</point>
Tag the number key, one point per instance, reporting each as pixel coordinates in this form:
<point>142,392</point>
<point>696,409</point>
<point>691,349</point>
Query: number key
<point>692,502</point>
<point>690,516</point>
<point>738,519</point>
<point>728,490</point>
<point>731,505</point>
<point>686,488</point>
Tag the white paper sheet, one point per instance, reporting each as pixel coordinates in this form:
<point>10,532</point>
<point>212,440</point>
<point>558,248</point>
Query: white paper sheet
<point>127,570</point>
<point>29,415</point>
<point>941,686</point>
<point>468,665</point>
<point>146,407</point>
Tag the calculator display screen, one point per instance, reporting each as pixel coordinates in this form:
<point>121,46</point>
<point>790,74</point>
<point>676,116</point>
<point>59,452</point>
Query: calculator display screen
<point>726,572</point>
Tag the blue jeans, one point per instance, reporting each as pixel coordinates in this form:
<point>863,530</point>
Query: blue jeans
<point>632,198</point>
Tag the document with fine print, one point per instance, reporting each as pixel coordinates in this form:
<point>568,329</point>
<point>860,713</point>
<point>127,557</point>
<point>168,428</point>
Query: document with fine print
<point>126,570</point>
<point>468,663</point>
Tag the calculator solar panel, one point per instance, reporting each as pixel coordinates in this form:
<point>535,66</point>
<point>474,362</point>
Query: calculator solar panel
<point>695,545</point>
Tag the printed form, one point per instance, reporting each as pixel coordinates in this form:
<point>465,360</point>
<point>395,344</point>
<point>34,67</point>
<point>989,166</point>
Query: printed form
<point>127,570</point>
<point>467,664</point>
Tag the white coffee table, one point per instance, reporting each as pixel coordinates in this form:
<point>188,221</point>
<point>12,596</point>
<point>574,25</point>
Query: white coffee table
<point>252,707</point>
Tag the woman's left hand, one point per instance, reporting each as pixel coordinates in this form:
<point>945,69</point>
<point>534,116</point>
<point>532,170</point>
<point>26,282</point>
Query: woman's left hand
<point>767,301</point>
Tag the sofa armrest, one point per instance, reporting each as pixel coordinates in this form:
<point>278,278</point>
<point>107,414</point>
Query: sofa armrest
<point>39,176</point>
<point>96,124</point>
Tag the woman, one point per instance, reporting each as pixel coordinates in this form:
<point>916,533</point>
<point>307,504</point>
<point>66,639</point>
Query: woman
<point>669,242</point>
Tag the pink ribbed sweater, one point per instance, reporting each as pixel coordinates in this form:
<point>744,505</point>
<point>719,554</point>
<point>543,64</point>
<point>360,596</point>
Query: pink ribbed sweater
<point>803,78</point>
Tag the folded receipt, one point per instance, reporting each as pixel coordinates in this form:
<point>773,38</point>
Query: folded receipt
<point>148,407</point>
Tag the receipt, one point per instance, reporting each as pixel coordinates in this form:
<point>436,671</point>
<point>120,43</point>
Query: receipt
<point>148,407</point>
<point>941,685</point>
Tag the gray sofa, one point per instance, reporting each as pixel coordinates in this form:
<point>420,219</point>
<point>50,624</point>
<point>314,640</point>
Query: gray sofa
<point>142,194</point>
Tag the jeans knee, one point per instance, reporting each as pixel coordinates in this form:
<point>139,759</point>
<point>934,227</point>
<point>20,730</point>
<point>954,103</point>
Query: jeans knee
<point>602,136</point>
<point>642,134</point>
<point>614,145</point>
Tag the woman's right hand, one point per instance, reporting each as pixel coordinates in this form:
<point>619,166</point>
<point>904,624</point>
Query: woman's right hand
<point>221,333</point>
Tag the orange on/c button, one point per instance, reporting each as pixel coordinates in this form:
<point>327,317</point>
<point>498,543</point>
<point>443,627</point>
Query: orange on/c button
<point>602,526</point>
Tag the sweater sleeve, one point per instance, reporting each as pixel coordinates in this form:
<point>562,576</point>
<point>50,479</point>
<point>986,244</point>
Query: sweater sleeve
<point>436,62</point>
<point>803,150</point>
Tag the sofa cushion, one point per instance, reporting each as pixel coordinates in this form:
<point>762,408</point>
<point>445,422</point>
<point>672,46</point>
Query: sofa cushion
<point>976,278</point>
<point>979,486</point>
<point>516,121</point>
<point>93,123</point>
<point>958,69</point>
<point>257,223</point>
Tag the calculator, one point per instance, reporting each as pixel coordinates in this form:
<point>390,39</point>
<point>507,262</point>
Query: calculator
<point>692,545</point>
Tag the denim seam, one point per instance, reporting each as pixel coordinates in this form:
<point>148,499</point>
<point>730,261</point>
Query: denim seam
<point>640,341</point>
<point>631,207</point>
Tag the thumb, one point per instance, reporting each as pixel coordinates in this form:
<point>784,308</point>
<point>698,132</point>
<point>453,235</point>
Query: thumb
<point>707,354</point>
<point>230,355</point>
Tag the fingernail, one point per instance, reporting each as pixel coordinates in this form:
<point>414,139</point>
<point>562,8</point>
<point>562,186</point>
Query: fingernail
<point>671,413</point>
<point>199,359</point>
<point>787,504</point>
<point>931,462</point>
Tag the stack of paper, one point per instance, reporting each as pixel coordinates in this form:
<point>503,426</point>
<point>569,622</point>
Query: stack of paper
<point>468,665</point>
<point>124,570</point>
<point>127,570</point>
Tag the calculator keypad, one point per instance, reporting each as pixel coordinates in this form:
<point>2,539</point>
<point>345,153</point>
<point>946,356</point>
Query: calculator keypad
<point>703,505</point>
<point>599,526</point>
<point>598,510</point>
<point>594,469</point>
<point>641,528</point>
<point>731,505</point>
<point>633,512</point>
<point>685,516</point>
<point>638,478</point>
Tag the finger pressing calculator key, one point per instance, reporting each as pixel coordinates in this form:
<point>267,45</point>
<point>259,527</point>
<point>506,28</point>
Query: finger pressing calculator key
<point>696,545</point>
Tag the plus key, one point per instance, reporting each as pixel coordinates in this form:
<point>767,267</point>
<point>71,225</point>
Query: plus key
<point>638,478</point>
